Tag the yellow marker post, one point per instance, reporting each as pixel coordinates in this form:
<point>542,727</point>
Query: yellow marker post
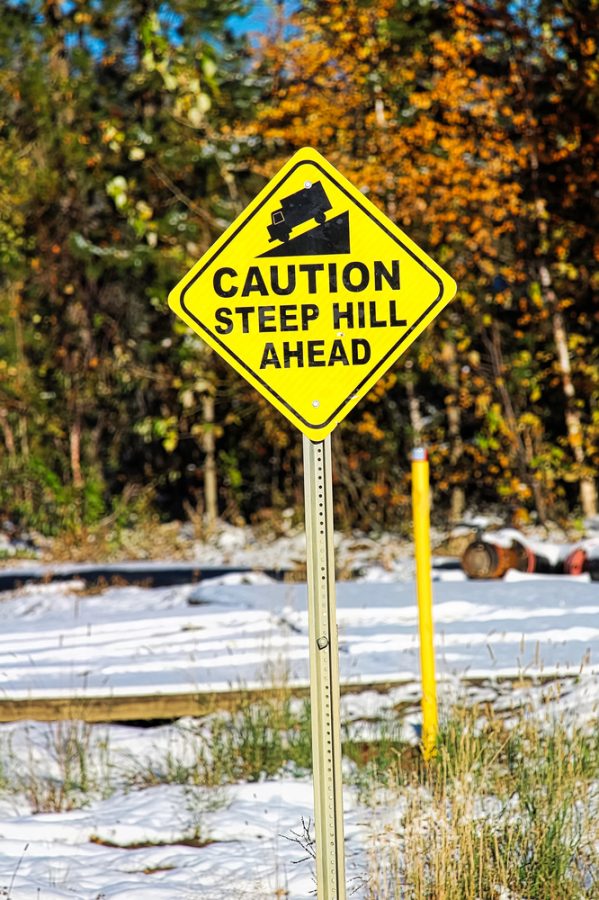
<point>422,542</point>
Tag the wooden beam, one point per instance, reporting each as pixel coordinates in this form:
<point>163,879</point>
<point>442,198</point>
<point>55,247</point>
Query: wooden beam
<point>130,708</point>
<point>158,707</point>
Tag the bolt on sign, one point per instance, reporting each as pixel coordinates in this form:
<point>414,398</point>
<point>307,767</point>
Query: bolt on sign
<point>312,294</point>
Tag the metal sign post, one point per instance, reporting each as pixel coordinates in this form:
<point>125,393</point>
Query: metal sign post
<point>324,671</point>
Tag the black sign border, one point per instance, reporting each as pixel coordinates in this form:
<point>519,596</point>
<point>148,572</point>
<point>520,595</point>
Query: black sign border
<point>242,225</point>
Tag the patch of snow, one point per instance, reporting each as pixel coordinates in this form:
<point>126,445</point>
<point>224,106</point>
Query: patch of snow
<point>57,641</point>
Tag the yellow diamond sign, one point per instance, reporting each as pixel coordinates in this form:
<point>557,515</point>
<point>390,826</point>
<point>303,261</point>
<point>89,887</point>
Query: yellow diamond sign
<point>312,293</point>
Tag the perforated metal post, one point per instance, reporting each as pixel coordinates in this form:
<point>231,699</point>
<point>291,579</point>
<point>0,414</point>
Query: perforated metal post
<point>324,671</point>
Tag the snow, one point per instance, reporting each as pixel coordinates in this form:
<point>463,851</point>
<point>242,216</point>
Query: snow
<point>250,851</point>
<point>554,552</point>
<point>169,841</point>
<point>58,641</point>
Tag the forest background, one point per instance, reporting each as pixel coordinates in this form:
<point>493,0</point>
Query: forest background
<point>132,132</point>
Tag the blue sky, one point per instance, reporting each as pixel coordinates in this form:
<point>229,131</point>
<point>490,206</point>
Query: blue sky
<point>259,17</point>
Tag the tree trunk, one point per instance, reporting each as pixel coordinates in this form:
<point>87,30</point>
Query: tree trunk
<point>454,431</point>
<point>587,487</point>
<point>209,448</point>
<point>414,407</point>
<point>9,435</point>
<point>75,453</point>
<point>21,381</point>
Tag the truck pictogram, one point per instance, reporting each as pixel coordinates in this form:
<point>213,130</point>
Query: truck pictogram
<point>309,203</point>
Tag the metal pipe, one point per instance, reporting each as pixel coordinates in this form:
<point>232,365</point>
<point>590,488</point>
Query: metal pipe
<point>324,671</point>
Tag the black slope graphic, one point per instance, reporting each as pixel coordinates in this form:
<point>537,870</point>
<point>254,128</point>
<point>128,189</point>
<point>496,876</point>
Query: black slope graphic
<point>332,237</point>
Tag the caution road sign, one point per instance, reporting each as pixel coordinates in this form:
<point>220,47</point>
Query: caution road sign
<point>312,293</point>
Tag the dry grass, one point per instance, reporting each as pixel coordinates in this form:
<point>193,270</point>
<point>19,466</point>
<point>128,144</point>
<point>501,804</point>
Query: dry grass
<point>504,811</point>
<point>105,543</point>
<point>504,814</point>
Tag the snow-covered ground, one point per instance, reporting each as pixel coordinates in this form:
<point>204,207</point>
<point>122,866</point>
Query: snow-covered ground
<point>95,852</point>
<point>173,841</point>
<point>60,641</point>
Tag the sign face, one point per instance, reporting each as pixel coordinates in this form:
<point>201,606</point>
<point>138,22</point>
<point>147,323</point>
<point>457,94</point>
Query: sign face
<point>312,293</point>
